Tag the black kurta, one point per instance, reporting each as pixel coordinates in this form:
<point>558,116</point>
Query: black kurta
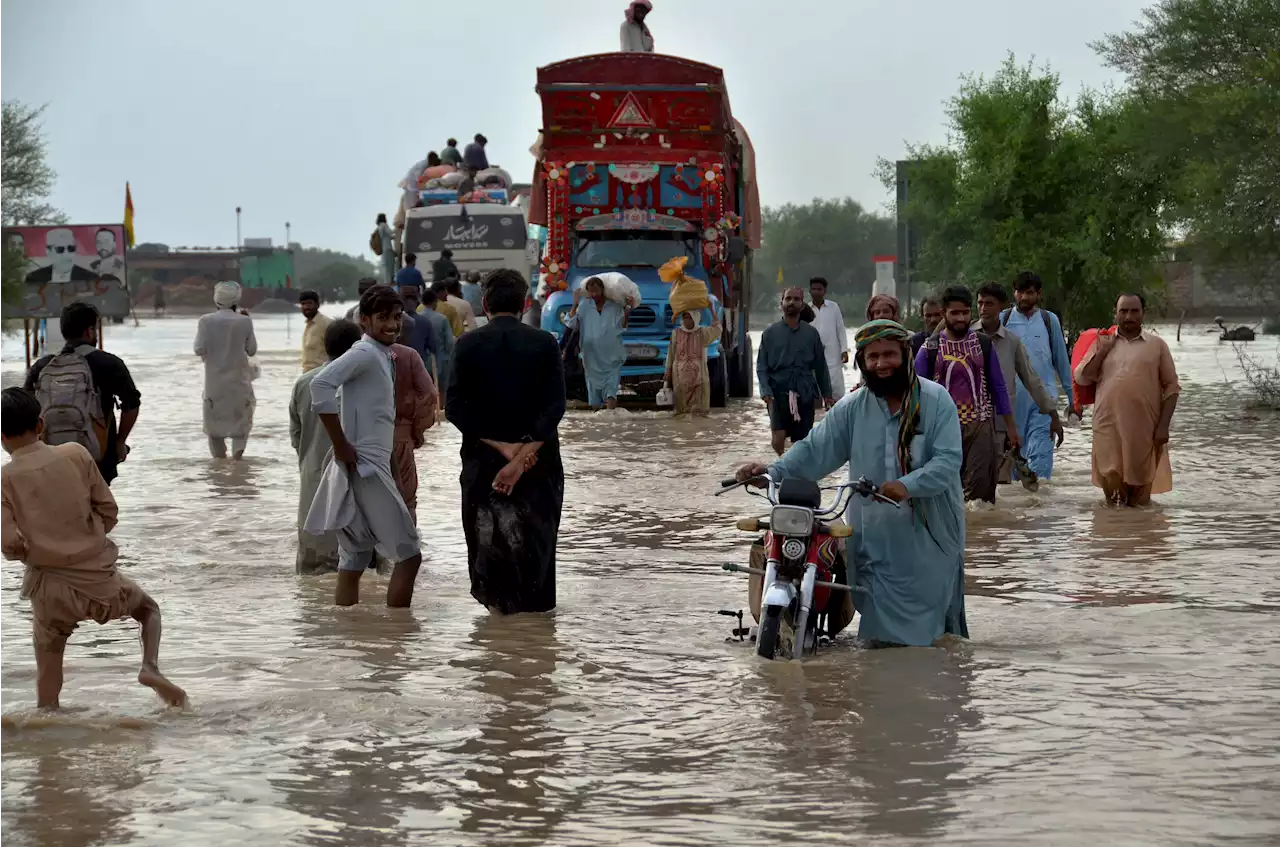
<point>508,385</point>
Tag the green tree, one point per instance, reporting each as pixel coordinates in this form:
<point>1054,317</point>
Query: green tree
<point>1205,80</point>
<point>834,239</point>
<point>14,278</point>
<point>1030,181</point>
<point>26,178</point>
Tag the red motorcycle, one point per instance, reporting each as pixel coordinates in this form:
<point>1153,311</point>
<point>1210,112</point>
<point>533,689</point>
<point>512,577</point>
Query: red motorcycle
<point>804,592</point>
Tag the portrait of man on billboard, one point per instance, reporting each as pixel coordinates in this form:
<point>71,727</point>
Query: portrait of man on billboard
<point>15,241</point>
<point>109,263</point>
<point>60,247</point>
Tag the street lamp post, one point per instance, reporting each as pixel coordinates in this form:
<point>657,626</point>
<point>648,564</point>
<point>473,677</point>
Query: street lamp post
<point>238,238</point>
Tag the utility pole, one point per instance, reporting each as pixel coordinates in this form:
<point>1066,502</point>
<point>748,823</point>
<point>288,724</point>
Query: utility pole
<point>238,248</point>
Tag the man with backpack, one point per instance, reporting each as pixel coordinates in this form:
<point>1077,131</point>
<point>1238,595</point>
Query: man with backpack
<point>965,363</point>
<point>79,389</point>
<point>1041,333</point>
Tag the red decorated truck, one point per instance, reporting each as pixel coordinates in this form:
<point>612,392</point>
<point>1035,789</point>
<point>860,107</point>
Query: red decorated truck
<point>640,160</point>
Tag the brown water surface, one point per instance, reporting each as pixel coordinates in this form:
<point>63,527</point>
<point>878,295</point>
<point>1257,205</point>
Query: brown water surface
<point>1120,687</point>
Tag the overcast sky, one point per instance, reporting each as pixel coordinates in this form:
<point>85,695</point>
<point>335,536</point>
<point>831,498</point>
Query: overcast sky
<point>311,112</point>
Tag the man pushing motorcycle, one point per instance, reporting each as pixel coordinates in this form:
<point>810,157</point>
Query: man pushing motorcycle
<point>903,434</point>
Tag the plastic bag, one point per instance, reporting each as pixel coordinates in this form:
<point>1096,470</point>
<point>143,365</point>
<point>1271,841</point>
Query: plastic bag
<point>687,293</point>
<point>665,397</point>
<point>620,289</point>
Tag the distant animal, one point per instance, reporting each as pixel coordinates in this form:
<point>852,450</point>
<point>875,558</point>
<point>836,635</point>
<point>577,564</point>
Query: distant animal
<point>1240,333</point>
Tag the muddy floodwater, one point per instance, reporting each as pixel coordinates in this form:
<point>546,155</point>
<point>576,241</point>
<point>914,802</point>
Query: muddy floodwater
<point>1122,685</point>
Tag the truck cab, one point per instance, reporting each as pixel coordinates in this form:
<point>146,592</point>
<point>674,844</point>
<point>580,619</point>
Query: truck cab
<point>638,254</point>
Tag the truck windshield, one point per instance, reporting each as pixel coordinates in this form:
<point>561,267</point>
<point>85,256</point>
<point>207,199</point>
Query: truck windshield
<point>631,249</point>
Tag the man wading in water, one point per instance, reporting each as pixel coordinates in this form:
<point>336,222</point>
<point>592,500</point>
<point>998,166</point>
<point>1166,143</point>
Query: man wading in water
<point>1137,393</point>
<point>358,496</point>
<point>903,434</point>
<point>506,397</point>
<point>792,372</point>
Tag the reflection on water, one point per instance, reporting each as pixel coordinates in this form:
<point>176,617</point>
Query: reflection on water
<point>1119,688</point>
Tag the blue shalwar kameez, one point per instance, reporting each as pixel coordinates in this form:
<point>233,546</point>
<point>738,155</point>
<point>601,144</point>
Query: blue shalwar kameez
<point>603,352</point>
<point>1047,351</point>
<point>907,563</point>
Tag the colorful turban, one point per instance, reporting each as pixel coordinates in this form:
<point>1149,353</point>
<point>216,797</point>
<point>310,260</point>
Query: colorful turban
<point>883,330</point>
<point>880,299</point>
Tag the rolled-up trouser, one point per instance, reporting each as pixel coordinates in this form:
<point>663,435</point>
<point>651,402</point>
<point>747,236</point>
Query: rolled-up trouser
<point>981,464</point>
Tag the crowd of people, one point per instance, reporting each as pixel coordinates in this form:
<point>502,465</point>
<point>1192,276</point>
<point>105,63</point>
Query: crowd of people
<point>940,417</point>
<point>925,427</point>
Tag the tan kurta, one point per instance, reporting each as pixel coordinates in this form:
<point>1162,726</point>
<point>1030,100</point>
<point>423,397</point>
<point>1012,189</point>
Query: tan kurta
<point>56,516</point>
<point>687,363</point>
<point>313,355</point>
<point>1136,378</point>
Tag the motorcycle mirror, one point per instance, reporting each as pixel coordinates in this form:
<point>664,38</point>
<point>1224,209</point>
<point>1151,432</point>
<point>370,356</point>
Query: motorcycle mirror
<point>749,524</point>
<point>839,529</point>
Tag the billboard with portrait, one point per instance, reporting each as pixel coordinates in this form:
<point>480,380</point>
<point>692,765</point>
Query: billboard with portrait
<point>84,262</point>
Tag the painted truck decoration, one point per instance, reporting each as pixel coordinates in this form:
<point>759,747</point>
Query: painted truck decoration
<point>641,161</point>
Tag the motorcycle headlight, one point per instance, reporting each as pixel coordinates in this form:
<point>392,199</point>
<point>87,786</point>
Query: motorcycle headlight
<point>791,520</point>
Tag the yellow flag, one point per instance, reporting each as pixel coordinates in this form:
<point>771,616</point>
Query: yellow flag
<point>128,215</point>
<point>780,280</point>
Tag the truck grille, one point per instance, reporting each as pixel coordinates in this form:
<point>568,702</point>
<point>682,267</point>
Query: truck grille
<point>644,317</point>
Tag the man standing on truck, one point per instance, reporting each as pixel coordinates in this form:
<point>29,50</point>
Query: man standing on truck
<point>791,369</point>
<point>600,328</point>
<point>829,323</point>
<point>635,35</point>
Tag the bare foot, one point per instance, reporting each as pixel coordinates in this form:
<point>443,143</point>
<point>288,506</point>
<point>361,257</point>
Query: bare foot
<point>171,694</point>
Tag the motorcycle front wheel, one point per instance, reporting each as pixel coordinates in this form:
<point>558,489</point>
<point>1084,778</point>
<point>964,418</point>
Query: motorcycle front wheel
<point>767,634</point>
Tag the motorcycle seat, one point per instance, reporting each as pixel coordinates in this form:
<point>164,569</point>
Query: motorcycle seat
<point>799,492</point>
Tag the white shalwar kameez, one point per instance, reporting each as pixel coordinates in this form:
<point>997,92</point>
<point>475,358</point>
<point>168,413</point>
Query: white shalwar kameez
<point>225,341</point>
<point>829,323</point>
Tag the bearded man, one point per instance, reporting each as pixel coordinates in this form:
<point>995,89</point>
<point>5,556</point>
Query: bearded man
<point>903,434</point>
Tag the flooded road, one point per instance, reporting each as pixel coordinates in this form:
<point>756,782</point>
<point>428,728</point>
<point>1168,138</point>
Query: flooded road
<point>1121,686</point>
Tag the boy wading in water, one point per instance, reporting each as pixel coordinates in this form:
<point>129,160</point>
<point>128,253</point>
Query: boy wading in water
<point>57,513</point>
<point>358,497</point>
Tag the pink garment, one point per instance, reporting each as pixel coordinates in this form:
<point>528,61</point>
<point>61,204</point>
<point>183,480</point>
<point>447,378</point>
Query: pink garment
<point>416,404</point>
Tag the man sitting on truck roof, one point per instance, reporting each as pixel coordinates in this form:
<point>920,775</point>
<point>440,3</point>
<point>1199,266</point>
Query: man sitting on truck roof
<point>450,155</point>
<point>474,156</point>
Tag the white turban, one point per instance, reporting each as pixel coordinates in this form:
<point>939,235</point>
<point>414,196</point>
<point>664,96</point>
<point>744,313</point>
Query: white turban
<point>226,294</point>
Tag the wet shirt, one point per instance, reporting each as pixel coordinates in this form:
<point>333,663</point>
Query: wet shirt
<point>57,511</point>
<point>359,387</point>
<point>793,360</point>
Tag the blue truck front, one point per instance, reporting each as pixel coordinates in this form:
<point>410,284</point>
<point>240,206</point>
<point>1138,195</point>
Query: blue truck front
<point>637,255</point>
